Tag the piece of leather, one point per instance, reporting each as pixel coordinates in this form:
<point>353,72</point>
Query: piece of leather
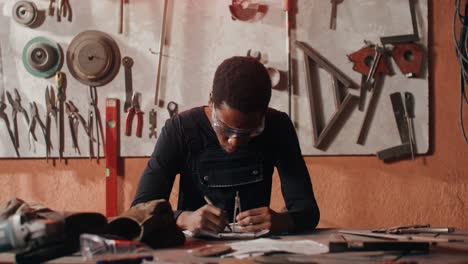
<point>151,223</point>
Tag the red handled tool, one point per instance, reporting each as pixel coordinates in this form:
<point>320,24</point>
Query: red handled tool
<point>112,154</point>
<point>133,111</point>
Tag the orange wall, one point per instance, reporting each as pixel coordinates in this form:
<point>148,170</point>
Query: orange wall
<point>351,191</point>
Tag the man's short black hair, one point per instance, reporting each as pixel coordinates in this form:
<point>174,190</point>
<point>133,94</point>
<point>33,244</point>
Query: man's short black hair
<point>242,83</point>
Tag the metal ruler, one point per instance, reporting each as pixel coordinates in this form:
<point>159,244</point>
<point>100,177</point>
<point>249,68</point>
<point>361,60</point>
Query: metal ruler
<point>112,154</point>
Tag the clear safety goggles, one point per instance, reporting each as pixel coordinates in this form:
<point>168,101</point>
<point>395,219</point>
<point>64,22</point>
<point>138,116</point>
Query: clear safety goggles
<point>230,132</point>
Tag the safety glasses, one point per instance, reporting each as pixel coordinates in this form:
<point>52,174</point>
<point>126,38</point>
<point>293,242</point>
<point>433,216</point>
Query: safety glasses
<point>230,132</point>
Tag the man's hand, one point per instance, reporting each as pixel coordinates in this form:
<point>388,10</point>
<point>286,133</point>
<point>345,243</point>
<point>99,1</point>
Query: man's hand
<point>208,218</point>
<point>264,218</point>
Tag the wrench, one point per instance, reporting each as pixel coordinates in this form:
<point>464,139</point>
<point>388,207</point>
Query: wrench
<point>172,108</point>
<point>127,63</point>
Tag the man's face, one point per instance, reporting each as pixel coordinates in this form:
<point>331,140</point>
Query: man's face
<point>234,128</point>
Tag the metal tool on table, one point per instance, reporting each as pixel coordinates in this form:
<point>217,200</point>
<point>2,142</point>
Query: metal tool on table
<point>51,107</point>
<point>25,13</point>
<point>162,39</point>
<point>237,210</point>
<point>127,63</point>
<point>74,119</point>
<point>405,149</point>
<point>153,124</point>
<point>36,119</point>
<point>362,246</point>
<point>401,237</point>
<point>324,133</point>
<point>16,105</point>
<point>112,154</point>
<point>3,106</point>
<point>94,120</point>
<point>415,229</point>
<point>60,82</point>
<point>334,12</point>
<point>133,111</point>
<point>172,108</point>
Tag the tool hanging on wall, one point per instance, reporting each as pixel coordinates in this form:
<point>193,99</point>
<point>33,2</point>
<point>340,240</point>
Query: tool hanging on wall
<point>3,106</point>
<point>162,39</point>
<point>153,124</point>
<point>334,13</point>
<point>36,119</point>
<point>274,74</point>
<point>369,63</point>
<point>25,13</point>
<point>408,55</point>
<point>287,7</point>
<point>407,37</point>
<point>324,133</point>
<point>93,58</point>
<point>74,119</point>
<point>244,10</point>
<point>172,108</point>
<point>121,15</point>
<point>127,63</point>
<point>112,154</point>
<point>409,115</point>
<point>60,82</point>
<point>17,107</point>
<point>64,10</point>
<point>50,102</point>
<point>133,111</point>
<point>42,57</point>
<point>402,115</point>
<point>409,58</point>
<point>94,119</point>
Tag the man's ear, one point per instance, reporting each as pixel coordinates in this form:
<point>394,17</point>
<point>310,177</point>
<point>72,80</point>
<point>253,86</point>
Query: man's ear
<point>210,101</point>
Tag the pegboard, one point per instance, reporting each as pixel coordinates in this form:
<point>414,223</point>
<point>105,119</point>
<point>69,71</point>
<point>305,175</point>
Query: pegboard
<point>199,36</point>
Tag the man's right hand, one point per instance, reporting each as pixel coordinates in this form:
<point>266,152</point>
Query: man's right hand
<point>208,218</point>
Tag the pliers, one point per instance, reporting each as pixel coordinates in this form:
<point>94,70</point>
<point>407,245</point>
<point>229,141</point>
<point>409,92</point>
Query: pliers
<point>51,112</point>
<point>94,119</point>
<point>4,116</point>
<point>36,119</point>
<point>132,111</point>
<point>74,119</point>
<point>16,105</point>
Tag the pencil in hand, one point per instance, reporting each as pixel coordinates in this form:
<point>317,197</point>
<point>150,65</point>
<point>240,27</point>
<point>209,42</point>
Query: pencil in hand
<point>208,201</point>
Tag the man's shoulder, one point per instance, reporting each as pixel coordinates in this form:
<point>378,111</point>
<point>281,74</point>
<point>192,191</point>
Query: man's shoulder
<point>191,117</point>
<point>276,115</point>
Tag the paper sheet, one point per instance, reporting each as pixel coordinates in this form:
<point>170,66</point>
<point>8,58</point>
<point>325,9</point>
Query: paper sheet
<point>261,246</point>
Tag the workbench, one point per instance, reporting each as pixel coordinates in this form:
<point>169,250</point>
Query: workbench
<point>440,253</point>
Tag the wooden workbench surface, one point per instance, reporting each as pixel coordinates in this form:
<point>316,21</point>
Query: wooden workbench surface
<point>441,253</point>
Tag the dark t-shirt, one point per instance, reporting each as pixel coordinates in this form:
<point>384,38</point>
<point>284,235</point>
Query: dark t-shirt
<point>187,145</point>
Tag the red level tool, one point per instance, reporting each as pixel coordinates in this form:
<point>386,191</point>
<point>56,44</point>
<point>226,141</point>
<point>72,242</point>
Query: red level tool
<point>112,154</point>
